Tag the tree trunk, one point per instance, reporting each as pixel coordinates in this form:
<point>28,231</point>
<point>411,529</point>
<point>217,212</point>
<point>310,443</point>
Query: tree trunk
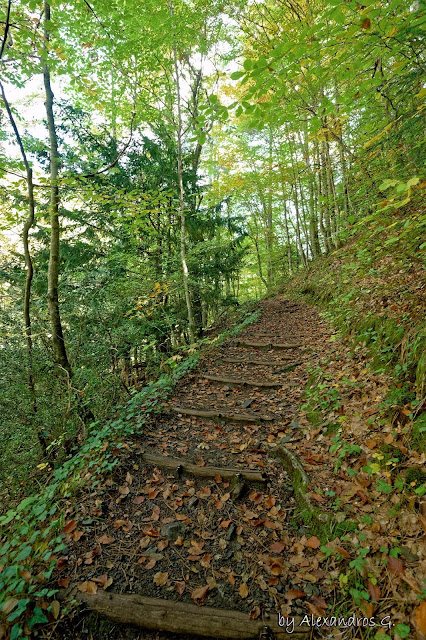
<point>313,218</point>
<point>58,342</point>
<point>185,273</point>
<point>323,196</point>
<point>29,266</point>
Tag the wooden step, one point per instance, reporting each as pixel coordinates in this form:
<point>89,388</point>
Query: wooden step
<point>261,363</point>
<point>269,345</point>
<point>226,416</point>
<point>270,384</point>
<point>171,616</point>
<point>181,465</point>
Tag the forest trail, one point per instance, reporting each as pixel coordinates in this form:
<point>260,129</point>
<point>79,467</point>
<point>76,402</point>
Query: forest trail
<point>174,527</point>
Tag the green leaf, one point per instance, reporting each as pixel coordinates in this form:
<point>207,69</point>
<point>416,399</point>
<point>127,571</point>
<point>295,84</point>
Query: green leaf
<point>16,632</point>
<point>402,630</point>
<point>38,617</point>
<point>237,75</point>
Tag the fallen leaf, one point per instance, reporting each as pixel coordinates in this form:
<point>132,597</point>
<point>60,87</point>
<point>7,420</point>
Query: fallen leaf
<point>420,620</point>
<point>138,499</point>
<point>276,547</point>
<point>199,594</point>
<point>294,594</point>
<point>243,590</point>
<point>342,552</point>
<point>88,586</point>
<point>313,543</point>
<point>162,544</point>
<point>77,535</point>
<point>256,497</point>
<point>64,582</point>
<point>395,565</point>
<point>269,502</point>
<point>316,611</point>
<point>55,609</point>
<point>374,591</point>
<point>211,582</point>
<point>180,587</point>
<point>276,569</point>
<point>160,579</point>
<point>9,605</point>
<point>106,539</point>
<point>70,526</point>
<point>205,562</point>
<point>151,564</point>
<point>225,523</point>
<point>61,563</point>
<point>255,613</point>
<point>319,602</point>
<point>124,491</point>
<point>126,525</point>
<point>26,575</point>
<point>388,439</point>
<point>371,443</point>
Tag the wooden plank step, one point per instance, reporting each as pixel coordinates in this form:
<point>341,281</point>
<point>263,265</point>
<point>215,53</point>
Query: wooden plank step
<point>269,345</point>
<point>270,384</point>
<point>157,614</point>
<point>174,464</point>
<point>249,418</point>
<point>262,363</point>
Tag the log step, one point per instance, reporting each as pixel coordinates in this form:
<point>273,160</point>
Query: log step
<point>157,614</point>
<point>262,363</point>
<point>270,384</point>
<point>249,418</point>
<point>269,345</point>
<point>182,466</point>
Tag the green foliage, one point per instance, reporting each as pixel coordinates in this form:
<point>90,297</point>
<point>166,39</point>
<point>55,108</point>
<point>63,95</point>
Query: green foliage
<point>32,535</point>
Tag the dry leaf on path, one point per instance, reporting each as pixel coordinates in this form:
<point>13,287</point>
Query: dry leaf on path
<point>88,586</point>
<point>161,579</point>
<point>199,594</point>
<point>313,543</point>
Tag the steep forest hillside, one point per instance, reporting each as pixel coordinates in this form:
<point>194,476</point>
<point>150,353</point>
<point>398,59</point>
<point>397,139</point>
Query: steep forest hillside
<point>213,327</point>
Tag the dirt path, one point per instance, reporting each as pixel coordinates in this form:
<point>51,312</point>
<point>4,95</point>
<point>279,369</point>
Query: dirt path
<point>222,542</point>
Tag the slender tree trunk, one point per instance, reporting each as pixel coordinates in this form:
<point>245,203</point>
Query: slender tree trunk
<point>259,261</point>
<point>29,266</point>
<point>58,342</point>
<point>185,273</point>
<point>332,189</point>
<point>296,204</point>
<point>326,199</point>
<point>304,222</point>
<point>287,234</point>
<point>269,220</point>
<point>313,218</point>
<point>287,230</point>
<point>298,235</point>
